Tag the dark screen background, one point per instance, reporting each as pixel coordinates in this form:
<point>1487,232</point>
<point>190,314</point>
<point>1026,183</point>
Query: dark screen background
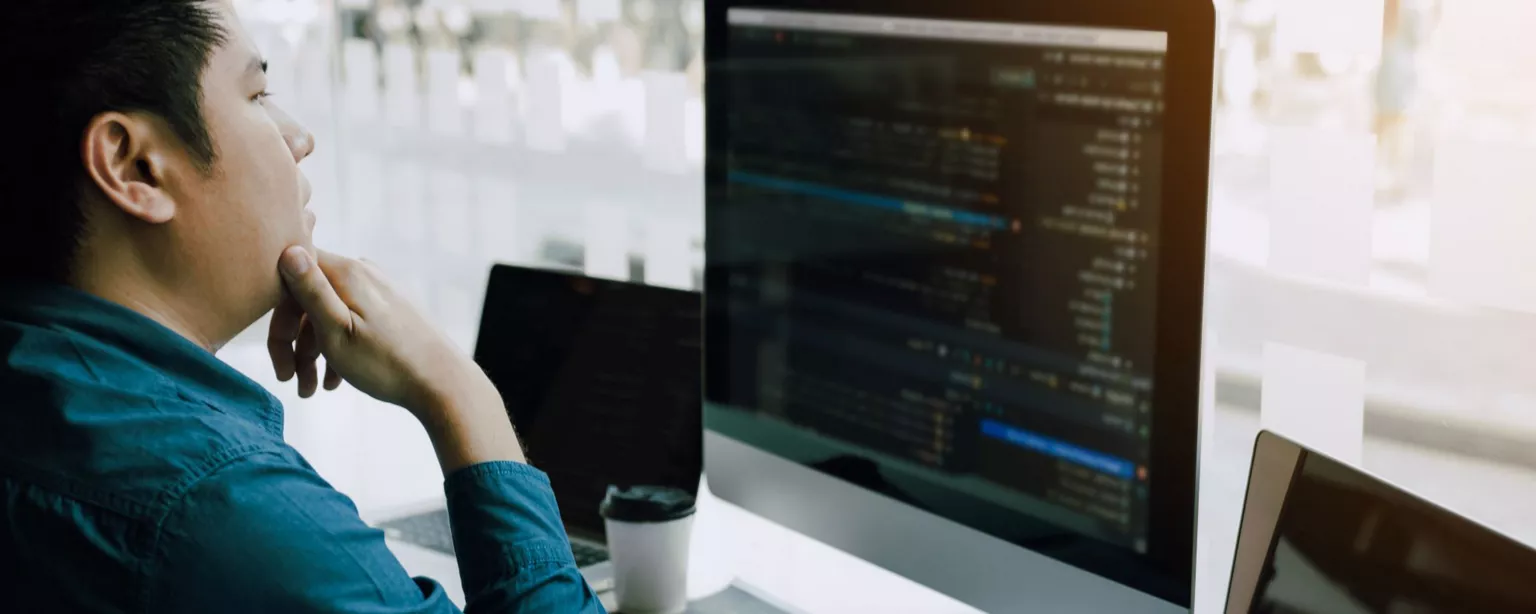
<point>1349,544</point>
<point>602,380</point>
<point>946,252</point>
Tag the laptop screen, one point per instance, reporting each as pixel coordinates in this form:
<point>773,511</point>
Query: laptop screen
<point>1347,543</point>
<point>602,380</point>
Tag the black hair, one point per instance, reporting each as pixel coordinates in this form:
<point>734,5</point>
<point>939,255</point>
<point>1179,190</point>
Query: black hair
<point>65,62</point>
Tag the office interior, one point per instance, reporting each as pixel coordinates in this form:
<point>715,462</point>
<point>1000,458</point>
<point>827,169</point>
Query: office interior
<point>1388,319</point>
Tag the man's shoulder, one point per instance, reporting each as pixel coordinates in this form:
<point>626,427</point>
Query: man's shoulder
<point>114,516</point>
<point>139,476</point>
<point>89,421</point>
<point>130,454</point>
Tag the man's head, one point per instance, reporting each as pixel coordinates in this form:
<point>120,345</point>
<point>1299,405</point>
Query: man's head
<point>147,160</point>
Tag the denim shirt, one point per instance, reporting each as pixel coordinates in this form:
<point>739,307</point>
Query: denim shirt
<point>139,473</point>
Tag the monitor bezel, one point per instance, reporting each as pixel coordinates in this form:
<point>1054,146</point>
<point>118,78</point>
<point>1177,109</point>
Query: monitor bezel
<point>1190,25</point>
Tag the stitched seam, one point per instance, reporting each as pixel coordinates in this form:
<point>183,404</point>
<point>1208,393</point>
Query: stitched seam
<point>493,469</point>
<point>156,555</point>
<point>515,560</point>
<point>76,489</point>
<point>205,467</point>
<point>377,592</point>
<point>537,554</point>
<point>269,418</point>
<point>82,491</point>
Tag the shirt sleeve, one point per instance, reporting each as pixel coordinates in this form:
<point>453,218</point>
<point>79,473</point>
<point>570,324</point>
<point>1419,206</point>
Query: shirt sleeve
<point>267,534</point>
<point>514,555</point>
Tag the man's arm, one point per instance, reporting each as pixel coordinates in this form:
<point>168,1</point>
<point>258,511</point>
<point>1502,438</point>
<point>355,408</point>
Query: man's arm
<point>266,534</point>
<point>513,552</point>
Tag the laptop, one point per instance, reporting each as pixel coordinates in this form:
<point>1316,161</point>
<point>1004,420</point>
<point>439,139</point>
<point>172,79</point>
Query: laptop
<point>602,379</point>
<point>1319,536</point>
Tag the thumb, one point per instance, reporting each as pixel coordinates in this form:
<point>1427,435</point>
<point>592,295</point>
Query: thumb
<point>310,288</point>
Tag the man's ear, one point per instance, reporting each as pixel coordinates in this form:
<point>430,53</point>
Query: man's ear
<point>129,158</point>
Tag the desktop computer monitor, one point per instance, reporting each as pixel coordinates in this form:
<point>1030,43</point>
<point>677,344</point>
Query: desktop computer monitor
<point>955,263</point>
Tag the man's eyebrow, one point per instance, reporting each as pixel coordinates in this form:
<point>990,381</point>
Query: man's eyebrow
<point>256,65</point>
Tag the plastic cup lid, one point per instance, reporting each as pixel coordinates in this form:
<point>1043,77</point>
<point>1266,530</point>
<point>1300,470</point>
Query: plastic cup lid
<point>646,504</point>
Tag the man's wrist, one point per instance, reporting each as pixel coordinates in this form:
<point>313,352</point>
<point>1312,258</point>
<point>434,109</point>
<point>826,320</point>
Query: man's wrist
<point>467,421</point>
<point>456,384</point>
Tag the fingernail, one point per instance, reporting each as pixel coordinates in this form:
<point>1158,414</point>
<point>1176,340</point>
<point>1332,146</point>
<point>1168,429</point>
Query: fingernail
<point>296,261</point>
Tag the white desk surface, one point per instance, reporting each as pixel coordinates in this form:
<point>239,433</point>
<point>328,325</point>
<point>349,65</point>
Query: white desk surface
<point>729,544</point>
<point>379,456</point>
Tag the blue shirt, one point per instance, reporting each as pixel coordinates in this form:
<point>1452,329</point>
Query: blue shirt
<point>139,473</point>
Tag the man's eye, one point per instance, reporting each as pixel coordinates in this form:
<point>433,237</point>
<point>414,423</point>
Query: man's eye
<point>262,96</point>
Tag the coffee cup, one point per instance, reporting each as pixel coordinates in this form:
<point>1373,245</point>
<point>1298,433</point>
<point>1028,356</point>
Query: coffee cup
<point>648,534</point>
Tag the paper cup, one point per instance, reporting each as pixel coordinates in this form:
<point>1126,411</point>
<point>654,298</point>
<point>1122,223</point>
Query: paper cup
<point>648,536</point>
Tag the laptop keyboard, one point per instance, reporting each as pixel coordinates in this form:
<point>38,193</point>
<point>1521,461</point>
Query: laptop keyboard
<point>431,530</point>
<point>588,555</point>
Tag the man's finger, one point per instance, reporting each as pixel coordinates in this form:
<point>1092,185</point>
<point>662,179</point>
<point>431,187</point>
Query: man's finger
<point>306,356</point>
<point>313,292</point>
<point>332,378</point>
<point>282,334</point>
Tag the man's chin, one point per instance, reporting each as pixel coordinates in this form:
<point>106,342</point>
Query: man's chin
<point>273,295</point>
<point>273,298</point>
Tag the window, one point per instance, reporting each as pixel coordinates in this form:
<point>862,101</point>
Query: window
<point>1370,293</point>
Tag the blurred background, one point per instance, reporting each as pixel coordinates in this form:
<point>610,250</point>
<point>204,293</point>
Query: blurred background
<point>1372,282</point>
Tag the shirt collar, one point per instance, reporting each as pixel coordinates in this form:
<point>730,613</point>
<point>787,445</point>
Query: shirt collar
<point>191,372</point>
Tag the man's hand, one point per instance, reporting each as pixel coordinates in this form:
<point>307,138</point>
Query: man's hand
<point>374,339</point>
<point>370,336</point>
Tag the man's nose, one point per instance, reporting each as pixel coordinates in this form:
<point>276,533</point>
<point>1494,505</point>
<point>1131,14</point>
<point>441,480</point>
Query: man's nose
<point>300,142</point>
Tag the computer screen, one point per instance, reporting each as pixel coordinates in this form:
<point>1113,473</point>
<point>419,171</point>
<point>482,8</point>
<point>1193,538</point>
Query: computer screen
<point>1347,543</point>
<point>601,379</point>
<point>940,250</point>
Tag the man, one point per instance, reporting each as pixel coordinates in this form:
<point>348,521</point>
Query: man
<point>151,208</point>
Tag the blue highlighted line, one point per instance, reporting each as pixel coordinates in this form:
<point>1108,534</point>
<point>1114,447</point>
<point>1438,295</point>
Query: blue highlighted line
<point>1096,461</point>
<point>866,199</point>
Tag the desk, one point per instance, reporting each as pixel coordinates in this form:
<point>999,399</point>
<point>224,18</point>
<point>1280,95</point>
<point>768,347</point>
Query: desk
<point>730,544</point>
<point>380,457</point>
